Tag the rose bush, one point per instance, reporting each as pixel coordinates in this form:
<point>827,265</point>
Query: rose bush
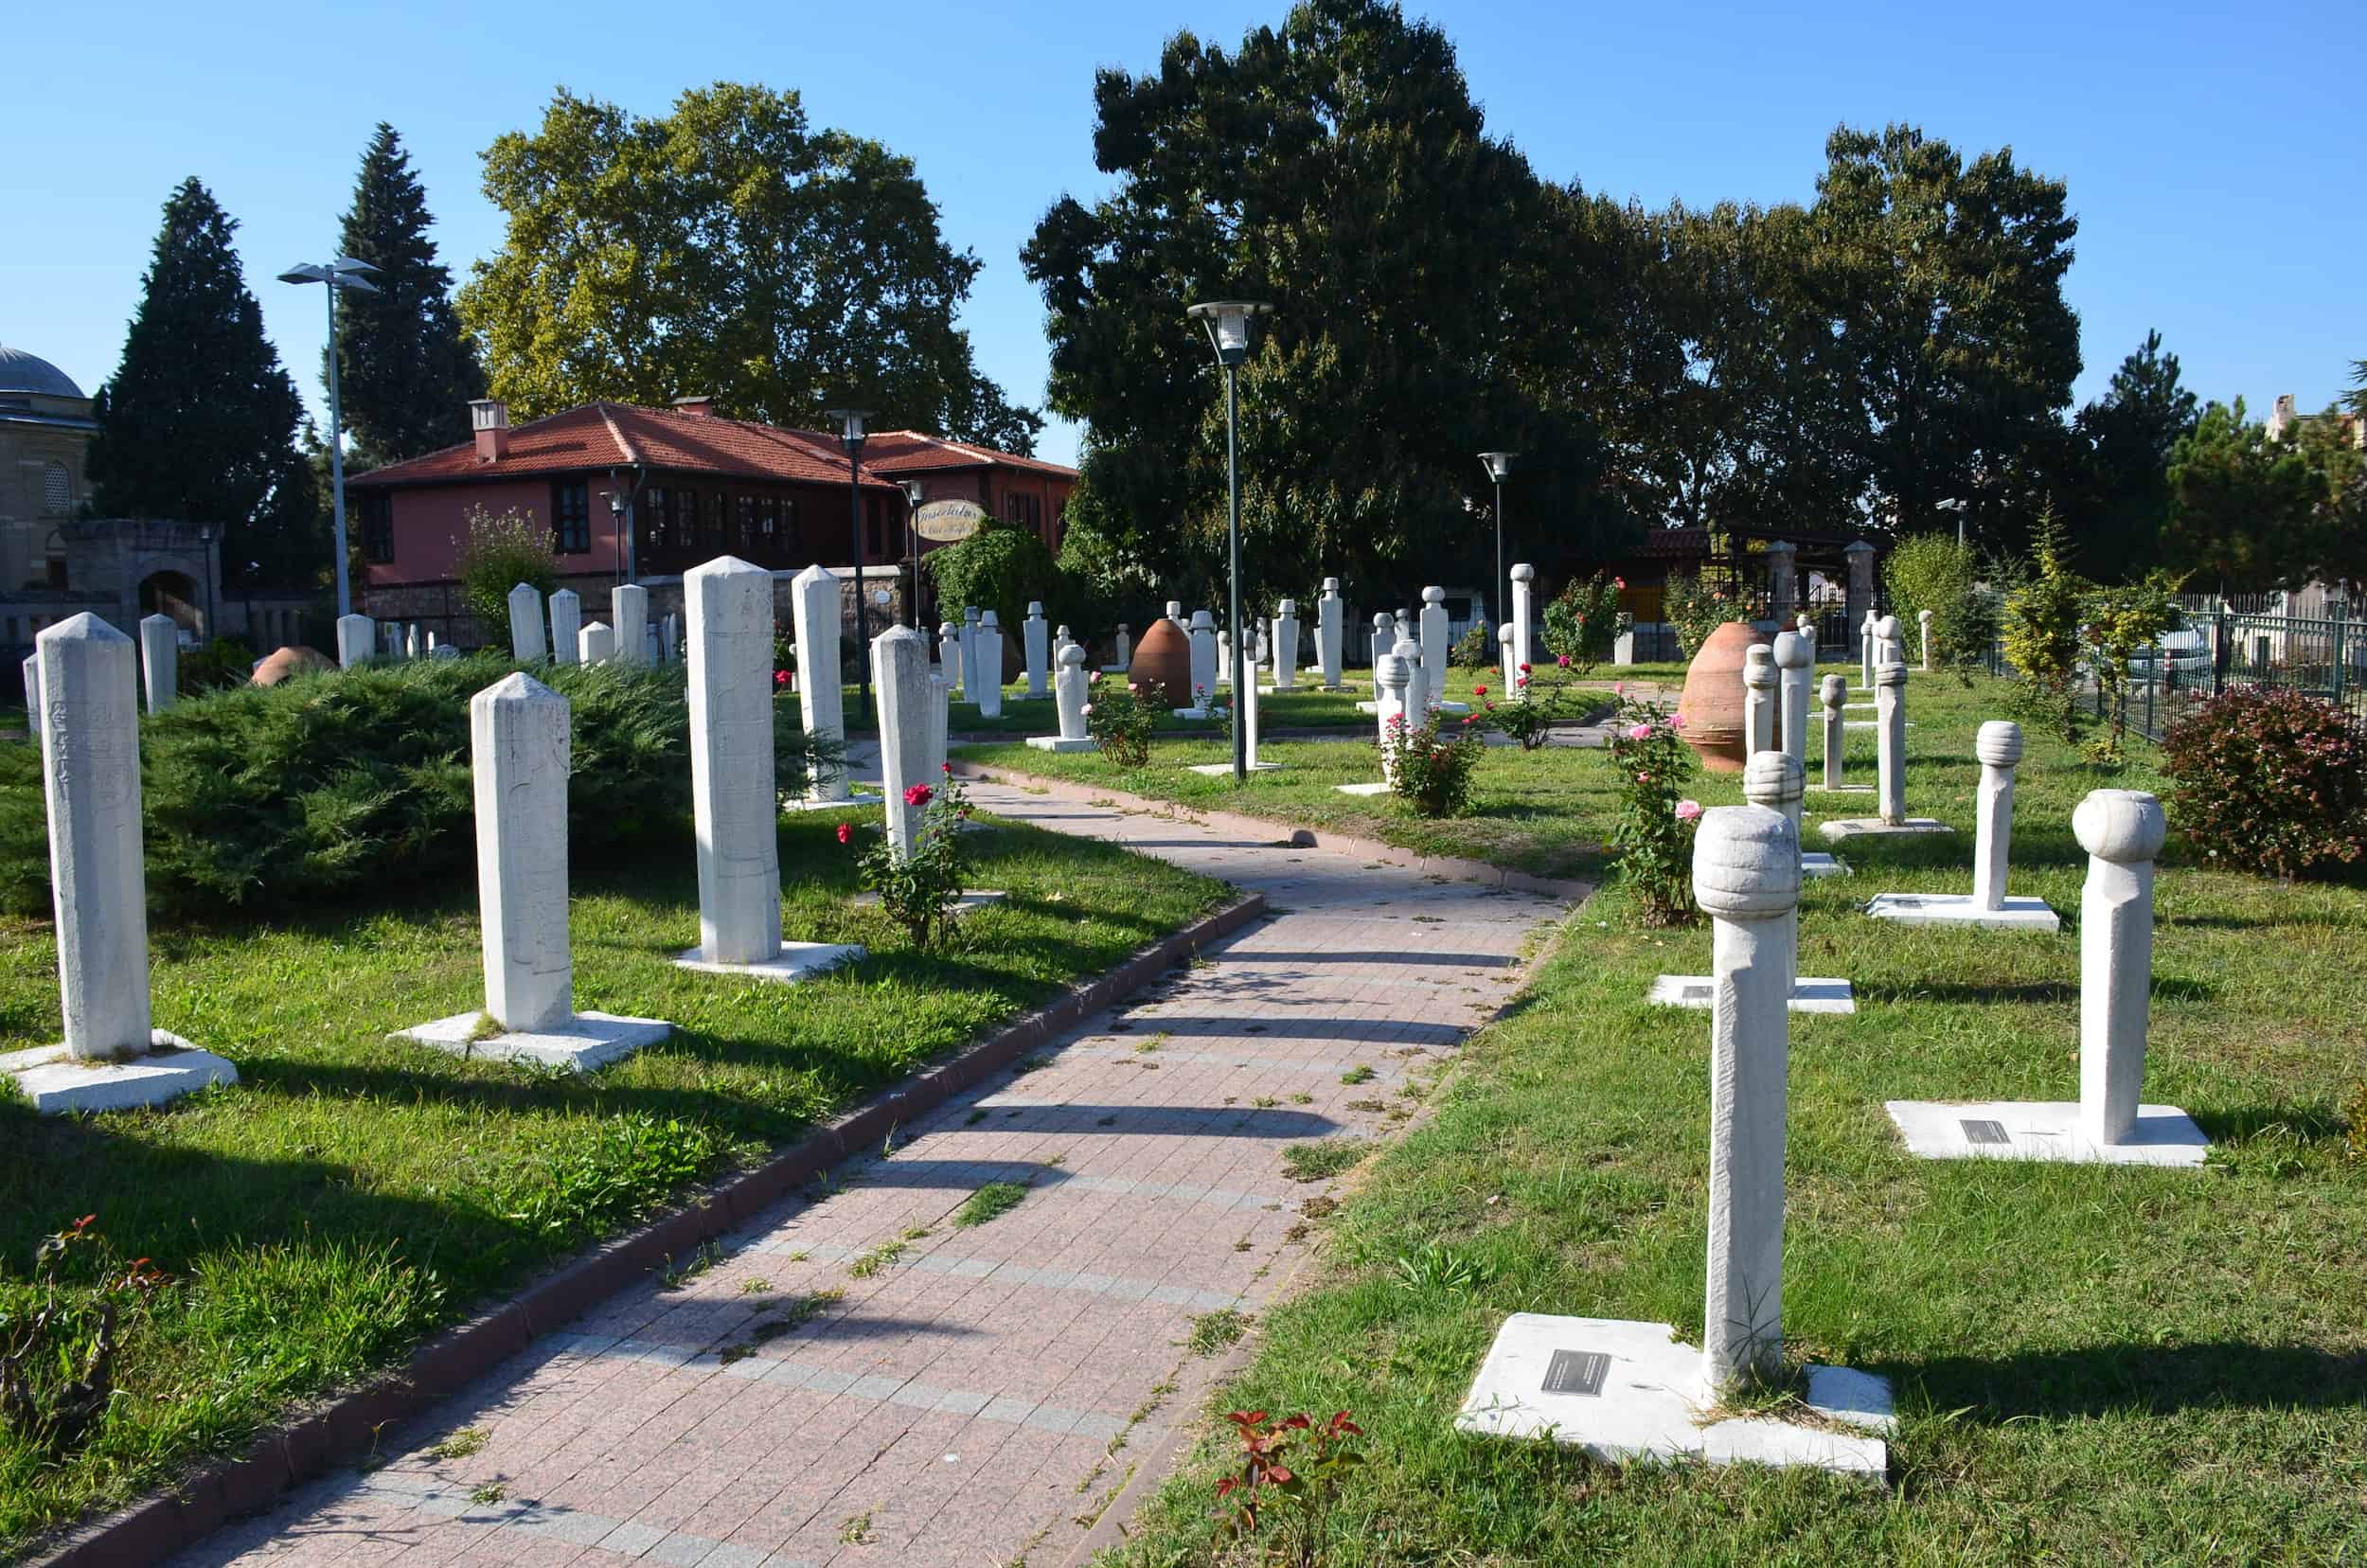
<point>1652,835</point>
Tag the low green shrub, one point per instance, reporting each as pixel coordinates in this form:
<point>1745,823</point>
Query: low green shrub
<point>1120,722</point>
<point>1653,832</point>
<point>1475,650</point>
<point>499,554</point>
<point>270,795</point>
<point>212,666</point>
<point>1583,622</point>
<point>2270,780</point>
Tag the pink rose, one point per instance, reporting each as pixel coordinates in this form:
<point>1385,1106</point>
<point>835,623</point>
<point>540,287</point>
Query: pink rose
<point>1087,708</point>
<point>1618,688</point>
<point>1688,809</point>
<point>1639,732</point>
<point>1676,721</point>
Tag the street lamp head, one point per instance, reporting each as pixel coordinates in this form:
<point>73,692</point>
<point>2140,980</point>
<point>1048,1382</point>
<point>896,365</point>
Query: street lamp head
<point>915,491</point>
<point>849,421</point>
<point>1499,464</point>
<point>351,264</point>
<point>343,273</point>
<point>1227,323</point>
<point>305,271</point>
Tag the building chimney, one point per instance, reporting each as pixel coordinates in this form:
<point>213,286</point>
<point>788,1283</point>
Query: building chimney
<point>490,418</point>
<point>703,404</point>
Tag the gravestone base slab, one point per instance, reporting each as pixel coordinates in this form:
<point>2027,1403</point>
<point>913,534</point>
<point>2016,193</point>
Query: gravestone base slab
<point>1957,909</point>
<point>1370,710</point>
<point>853,801</point>
<point>2005,1130</point>
<point>964,902</point>
<point>1056,744</point>
<point>1841,829</point>
<point>1219,770</point>
<point>586,1041</point>
<point>1868,723</point>
<point>1840,789</point>
<point>1366,790</point>
<point>1816,863</point>
<point>1809,994</point>
<point>1190,712</point>
<point>55,1083</point>
<point>796,961</point>
<point>1623,1391</point>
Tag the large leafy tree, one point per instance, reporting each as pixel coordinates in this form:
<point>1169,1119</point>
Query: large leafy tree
<point>1945,280</point>
<point>2243,507</point>
<point>200,421</point>
<point>727,248</point>
<point>405,369</point>
<point>2115,495</point>
<point>1421,276</point>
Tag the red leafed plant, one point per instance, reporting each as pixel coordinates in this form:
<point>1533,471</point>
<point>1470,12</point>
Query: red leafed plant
<point>2269,781</point>
<point>1290,1461</point>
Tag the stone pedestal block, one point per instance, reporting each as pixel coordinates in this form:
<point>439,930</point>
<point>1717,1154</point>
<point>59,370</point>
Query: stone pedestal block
<point>729,603</point>
<point>1286,643</point>
<point>1331,627</point>
<point>597,643</point>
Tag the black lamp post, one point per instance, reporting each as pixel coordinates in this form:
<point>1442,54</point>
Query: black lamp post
<point>850,431</point>
<point>1499,464</point>
<point>916,491</point>
<point>1227,323</point>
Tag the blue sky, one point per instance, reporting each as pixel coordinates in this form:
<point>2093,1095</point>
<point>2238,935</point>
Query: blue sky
<point>2209,153</point>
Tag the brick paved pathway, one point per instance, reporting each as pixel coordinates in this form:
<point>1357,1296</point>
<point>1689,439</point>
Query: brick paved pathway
<point>858,1380</point>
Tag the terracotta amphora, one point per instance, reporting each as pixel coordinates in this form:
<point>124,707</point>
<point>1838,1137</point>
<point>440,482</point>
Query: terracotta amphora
<point>1161,671</point>
<point>1712,704</point>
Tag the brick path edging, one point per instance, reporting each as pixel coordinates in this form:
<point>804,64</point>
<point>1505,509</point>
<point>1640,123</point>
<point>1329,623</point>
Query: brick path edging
<point>1452,866</point>
<point>347,1427</point>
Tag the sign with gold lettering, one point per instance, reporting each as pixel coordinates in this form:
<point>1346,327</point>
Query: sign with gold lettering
<point>948,522</point>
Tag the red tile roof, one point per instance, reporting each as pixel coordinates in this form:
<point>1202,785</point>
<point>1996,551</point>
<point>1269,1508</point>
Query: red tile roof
<point>605,435</point>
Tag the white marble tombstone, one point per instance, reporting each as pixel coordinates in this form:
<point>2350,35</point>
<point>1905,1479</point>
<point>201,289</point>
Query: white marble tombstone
<point>1506,656</point>
<point>1776,780</point>
<point>87,692</point>
<point>1772,781</point>
<point>669,639</point>
<point>525,623</point>
<point>357,640</point>
<point>1795,668</point>
<point>1833,697</point>
<point>986,647</point>
<point>519,749</point>
<point>567,625</point>
<point>1224,658</point>
<point>900,679</point>
<point>1624,1390</point>
<point>1392,677</point>
<point>1061,641</point>
<point>817,615</point>
<point>1746,878</point>
<point>1124,660</point>
<point>973,674</point>
<point>940,728</point>
<point>1524,619</point>
<point>1331,627</point>
<point>1889,646</point>
<point>727,606</point>
<point>950,653</point>
<point>36,712</point>
<point>1436,645</point>
<point>1070,694</point>
<point>1758,698</point>
<point>1286,646</point>
<point>1420,700</point>
<point>1998,746</point>
<point>1175,613</point>
<point>628,609</point>
<point>1924,618</point>
<point>597,643</point>
<point>1036,646</point>
<point>1866,650</point>
<point>1890,693</point>
<point>160,661</point>
<point>2122,830</point>
<point>1203,640</point>
<point>1385,637</point>
<point>411,649</point>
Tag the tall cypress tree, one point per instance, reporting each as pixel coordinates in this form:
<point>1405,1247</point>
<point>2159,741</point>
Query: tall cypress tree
<point>200,421</point>
<point>407,371</point>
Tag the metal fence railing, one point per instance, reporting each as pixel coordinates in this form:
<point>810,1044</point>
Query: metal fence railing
<point>2219,647</point>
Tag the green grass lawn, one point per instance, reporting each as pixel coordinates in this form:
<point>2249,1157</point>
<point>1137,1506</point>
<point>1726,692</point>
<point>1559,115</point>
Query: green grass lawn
<point>2092,1365</point>
<point>352,1193</point>
<point>1306,709</point>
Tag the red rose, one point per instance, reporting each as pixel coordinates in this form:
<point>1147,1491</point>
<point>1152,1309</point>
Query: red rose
<point>845,832</point>
<point>919,794</point>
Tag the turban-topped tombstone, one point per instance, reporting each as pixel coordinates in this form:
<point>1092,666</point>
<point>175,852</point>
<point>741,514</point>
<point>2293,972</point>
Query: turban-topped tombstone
<point>1999,747</point>
<point>114,1058</point>
<point>1330,627</point>
<point>2123,831</point>
<point>1625,1390</point>
<point>1071,695</point>
<point>1891,769</point>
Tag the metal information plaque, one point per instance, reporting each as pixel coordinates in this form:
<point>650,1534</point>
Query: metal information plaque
<point>1984,1132</point>
<point>1576,1372</point>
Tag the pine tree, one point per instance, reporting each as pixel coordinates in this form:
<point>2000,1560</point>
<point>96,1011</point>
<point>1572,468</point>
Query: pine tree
<point>200,421</point>
<point>407,370</point>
